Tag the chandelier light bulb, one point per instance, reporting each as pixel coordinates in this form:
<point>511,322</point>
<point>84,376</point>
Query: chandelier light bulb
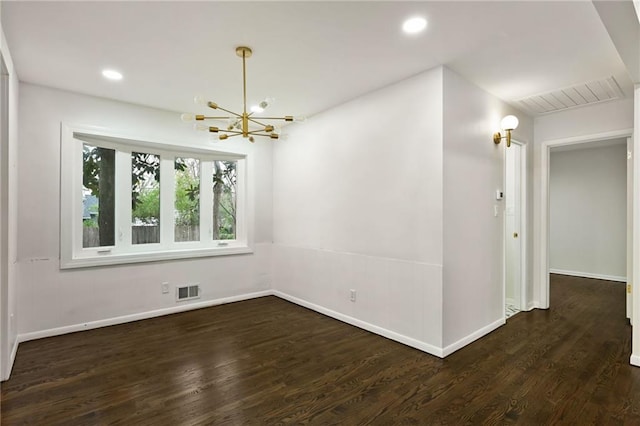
<point>233,123</point>
<point>199,100</point>
<point>263,104</point>
<point>266,102</point>
<point>186,117</point>
<point>201,127</point>
<point>300,118</point>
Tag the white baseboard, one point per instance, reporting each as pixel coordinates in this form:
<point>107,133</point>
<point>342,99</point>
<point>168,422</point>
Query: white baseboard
<point>588,275</point>
<point>12,358</point>
<point>472,337</point>
<point>136,317</point>
<point>409,341</point>
<point>528,307</point>
<point>4,375</point>
<point>431,349</point>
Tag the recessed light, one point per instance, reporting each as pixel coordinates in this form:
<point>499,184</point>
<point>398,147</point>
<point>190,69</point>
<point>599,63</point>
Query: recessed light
<point>112,75</point>
<point>414,25</point>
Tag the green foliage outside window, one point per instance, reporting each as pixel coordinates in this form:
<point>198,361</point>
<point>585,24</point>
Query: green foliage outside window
<point>145,199</point>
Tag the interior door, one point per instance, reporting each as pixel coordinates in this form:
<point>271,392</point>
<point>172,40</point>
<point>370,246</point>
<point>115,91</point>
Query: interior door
<point>513,248</point>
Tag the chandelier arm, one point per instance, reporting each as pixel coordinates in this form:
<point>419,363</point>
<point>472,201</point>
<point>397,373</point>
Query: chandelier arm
<point>230,136</point>
<point>272,118</point>
<point>230,112</point>
<point>233,132</point>
<point>215,118</point>
<point>257,122</point>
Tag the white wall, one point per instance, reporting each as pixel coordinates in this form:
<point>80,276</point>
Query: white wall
<point>387,205</point>
<point>358,205</point>
<point>587,211</point>
<point>473,236</point>
<point>9,189</point>
<point>578,123</point>
<point>53,300</point>
<point>598,118</point>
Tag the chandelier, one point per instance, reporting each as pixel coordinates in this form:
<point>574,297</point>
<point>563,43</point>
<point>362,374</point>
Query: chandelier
<point>246,123</point>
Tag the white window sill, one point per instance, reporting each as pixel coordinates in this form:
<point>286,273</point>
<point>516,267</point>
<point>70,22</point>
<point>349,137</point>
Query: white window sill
<point>107,259</point>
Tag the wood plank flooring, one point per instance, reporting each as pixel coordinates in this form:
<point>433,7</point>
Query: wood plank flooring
<point>266,361</point>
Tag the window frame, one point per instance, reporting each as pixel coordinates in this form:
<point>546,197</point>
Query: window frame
<point>73,255</point>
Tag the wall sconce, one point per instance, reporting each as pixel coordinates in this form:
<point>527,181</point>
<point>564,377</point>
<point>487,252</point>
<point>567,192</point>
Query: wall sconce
<point>508,123</point>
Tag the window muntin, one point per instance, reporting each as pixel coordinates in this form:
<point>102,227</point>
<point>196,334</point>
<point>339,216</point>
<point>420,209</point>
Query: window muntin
<point>125,248</point>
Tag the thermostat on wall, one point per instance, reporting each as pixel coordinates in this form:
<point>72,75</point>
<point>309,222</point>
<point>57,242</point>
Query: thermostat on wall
<point>499,194</point>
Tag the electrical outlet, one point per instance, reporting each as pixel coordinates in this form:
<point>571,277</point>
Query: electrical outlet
<point>165,288</point>
<point>352,296</point>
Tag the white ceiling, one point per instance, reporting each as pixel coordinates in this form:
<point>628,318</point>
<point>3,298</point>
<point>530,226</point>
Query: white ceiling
<point>310,56</point>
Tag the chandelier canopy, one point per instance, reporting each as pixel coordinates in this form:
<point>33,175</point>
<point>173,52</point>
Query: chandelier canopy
<point>245,123</point>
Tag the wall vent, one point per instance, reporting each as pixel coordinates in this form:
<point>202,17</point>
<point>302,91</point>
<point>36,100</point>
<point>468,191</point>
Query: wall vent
<point>593,92</point>
<point>188,292</point>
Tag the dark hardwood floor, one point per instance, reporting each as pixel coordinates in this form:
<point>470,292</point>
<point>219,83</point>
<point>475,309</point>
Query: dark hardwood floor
<point>266,361</point>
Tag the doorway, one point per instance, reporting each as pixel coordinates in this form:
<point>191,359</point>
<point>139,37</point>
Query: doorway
<point>543,268</point>
<point>515,224</point>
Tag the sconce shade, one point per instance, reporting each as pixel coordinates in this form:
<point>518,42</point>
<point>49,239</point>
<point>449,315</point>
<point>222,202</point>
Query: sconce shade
<point>509,122</point>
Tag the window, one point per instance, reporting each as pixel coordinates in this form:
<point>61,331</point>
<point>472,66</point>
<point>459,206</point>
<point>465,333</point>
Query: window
<point>98,196</point>
<point>145,198</point>
<point>187,204</point>
<point>144,201</point>
<point>224,200</point>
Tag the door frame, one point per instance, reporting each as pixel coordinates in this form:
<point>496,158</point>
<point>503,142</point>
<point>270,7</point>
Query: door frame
<point>524,306</point>
<point>630,226</point>
<point>543,234</point>
<point>4,220</point>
